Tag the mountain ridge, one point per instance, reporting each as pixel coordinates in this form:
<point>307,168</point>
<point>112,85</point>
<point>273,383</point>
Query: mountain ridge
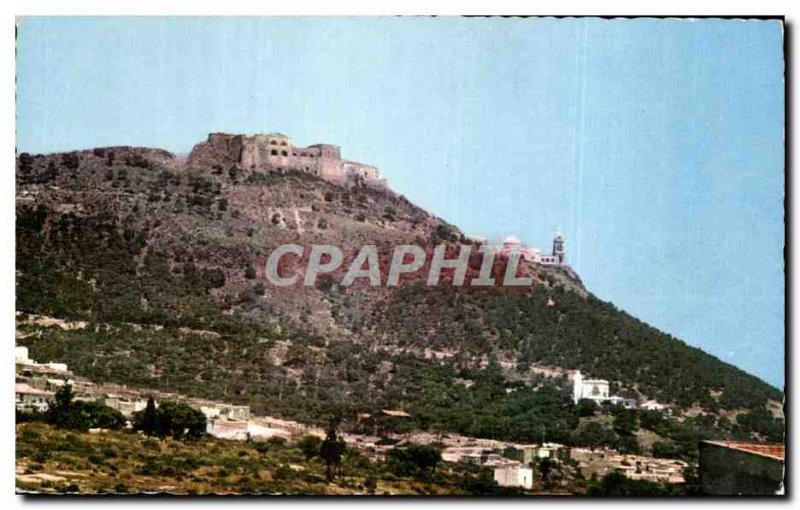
<point>136,235</point>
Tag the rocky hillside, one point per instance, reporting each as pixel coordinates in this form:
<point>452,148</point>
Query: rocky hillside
<point>162,258</point>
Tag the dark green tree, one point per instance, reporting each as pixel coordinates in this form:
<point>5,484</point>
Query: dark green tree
<point>649,419</point>
<point>586,407</point>
<point>593,434</point>
<point>415,460</point>
<point>625,422</point>
<point>149,423</point>
<point>310,446</point>
<point>61,413</point>
<point>172,419</point>
<point>64,412</point>
<point>545,466</point>
<point>331,451</point>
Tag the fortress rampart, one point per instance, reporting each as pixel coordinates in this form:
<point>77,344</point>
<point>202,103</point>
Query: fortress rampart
<point>274,152</point>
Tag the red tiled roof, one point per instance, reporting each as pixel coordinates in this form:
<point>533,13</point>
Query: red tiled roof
<point>772,450</point>
<point>26,389</point>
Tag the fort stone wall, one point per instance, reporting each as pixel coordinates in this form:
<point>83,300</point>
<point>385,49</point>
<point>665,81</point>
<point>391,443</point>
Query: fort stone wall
<point>275,152</point>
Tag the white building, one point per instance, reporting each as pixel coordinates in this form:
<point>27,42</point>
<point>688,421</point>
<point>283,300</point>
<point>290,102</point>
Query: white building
<point>596,390</point>
<point>219,410</point>
<point>126,406</point>
<point>31,399</point>
<point>242,430</point>
<point>513,245</point>
<point>592,389</point>
<point>533,452</point>
<point>58,367</point>
<point>21,356</point>
<point>514,475</point>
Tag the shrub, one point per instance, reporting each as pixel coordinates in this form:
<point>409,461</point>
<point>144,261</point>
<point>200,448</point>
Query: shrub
<point>276,441</point>
<point>666,450</point>
<point>309,445</point>
<point>282,473</point>
<point>371,484</point>
<point>415,460</point>
<point>214,278</point>
<point>586,407</point>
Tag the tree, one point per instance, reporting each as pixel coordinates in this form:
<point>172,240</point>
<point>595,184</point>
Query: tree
<point>63,399</point>
<point>65,412</point>
<point>101,416</point>
<point>331,451</point>
<point>310,446</point>
<point>416,460</point>
<point>149,418</point>
<point>650,419</point>
<point>627,443</point>
<point>666,450</point>
<point>625,422</point>
<point>759,420</point>
<point>172,419</point>
<point>61,411</point>
<point>691,484</point>
<point>586,407</point>
<point>179,420</point>
<point>545,466</point>
<point>593,434</point>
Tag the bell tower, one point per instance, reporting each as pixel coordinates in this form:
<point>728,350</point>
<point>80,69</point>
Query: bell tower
<point>558,248</point>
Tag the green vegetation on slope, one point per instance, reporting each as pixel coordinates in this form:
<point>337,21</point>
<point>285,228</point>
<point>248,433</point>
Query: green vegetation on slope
<point>56,460</point>
<point>304,382</point>
<point>574,333</point>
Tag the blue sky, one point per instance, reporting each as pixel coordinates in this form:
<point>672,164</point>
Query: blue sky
<point>656,146</point>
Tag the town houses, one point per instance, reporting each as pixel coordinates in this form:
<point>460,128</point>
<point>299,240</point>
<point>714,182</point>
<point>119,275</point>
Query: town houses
<point>36,385</point>
<point>512,464</point>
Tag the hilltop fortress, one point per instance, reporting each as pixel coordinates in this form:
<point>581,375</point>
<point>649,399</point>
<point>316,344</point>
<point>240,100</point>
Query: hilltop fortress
<point>274,152</point>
